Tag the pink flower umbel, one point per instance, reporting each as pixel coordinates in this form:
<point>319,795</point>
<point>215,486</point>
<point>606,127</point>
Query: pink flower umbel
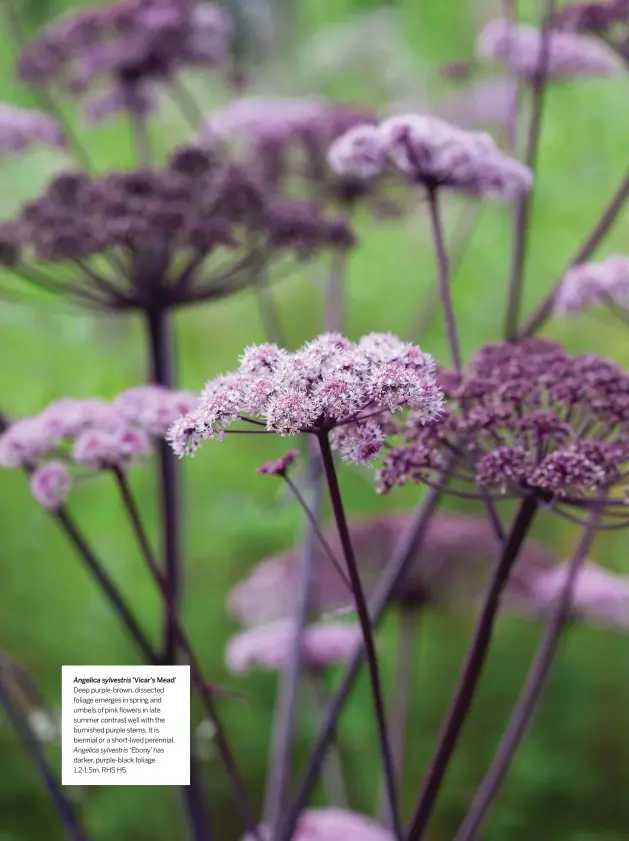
<point>270,646</point>
<point>21,128</point>
<point>590,284</point>
<point>428,151</point>
<point>569,55</point>
<point>89,433</point>
<point>339,825</point>
<point>327,384</point>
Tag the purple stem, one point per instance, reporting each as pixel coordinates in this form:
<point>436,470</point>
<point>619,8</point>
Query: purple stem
<point>106,584</point>
<point>333,775</point>
<point>524,202</point>
<point>286,706</point>
<point>364,619</point>
<point>63,806</point>
<point>162,372</point>
<point>526,704</point>
<point>444,278</point>
<point>598,234</point>
<point>196,673</point>
<point>472,670</point>
<point>395,570</point>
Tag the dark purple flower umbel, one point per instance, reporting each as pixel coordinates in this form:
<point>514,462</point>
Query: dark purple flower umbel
<point>195,229</point>
<point>119,53</point>
<point>328,385</point>
<point>527,418</point>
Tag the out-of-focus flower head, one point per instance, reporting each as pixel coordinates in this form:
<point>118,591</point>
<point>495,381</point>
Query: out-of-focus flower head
<point>88,433</point>
<point>328,383</point>
<point>119,53</point>
<point>21,128</point>
<point>429,151</point>
<point>599,597</point>
<point>589,284</point>
<point>331,824</point>
<point>452,565</point>
<point>527,418</point>
<point>286,140</point>
<point>529,52</point>
<point>270,646</point>
<point>195,229</point>
<point>604,19</point>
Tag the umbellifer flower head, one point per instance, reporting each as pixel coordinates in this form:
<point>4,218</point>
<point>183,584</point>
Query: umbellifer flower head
<point>529,52</point>
<point>88,433</point>
<point>269,646</point>
<point>129,48</point>
<point>197,228</point>
<point>329,383</point>
<point>588,284</point>
<point>527,418</point>
<point>21,128</point>
<point>429,151</point>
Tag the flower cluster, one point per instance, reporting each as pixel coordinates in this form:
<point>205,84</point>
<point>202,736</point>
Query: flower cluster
<point>158,227</point>
<point>588,284</point>
<point>128,48</point>
<point>526,418</point>
<point>329,383</point>
<point>530,52</point>
<point>597,18</point>
<point>89,433</point>
<point>429,151</point>
<point>270,646</point>
<point>330,824</point>
<point>451,565</point>
<point>279,467</point>
<point>286,141</point>
<point>22,127</point>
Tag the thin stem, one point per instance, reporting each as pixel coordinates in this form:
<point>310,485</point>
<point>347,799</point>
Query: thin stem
<point>20,724</point>
<point>279,766</point>
<point>334,300</point>
<point>395,571</point>
<point>109,588</point>
<point>162,372</point>
<point>532,690</point>
<point>597,235</point>
<point>196,672</point>
<point>472,670</point>
<point>444,278</point>
<point>524,202</point>
<point>141,140</point>
<point>333,775</point>
<point>320,536</point>
<point>405,656</point>
<point>186,103</point>
<point>267,308</point>
<point>364,619</point>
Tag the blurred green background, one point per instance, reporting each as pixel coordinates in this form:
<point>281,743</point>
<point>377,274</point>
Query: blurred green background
<point>571,778</point>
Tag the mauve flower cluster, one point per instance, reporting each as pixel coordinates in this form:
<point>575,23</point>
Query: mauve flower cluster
<point>128,47</point>
<point>328,383</point>
<point>588,284</point>
<point>452,566</point>
<point>89,433</point>
<point>270,646</point>
<point>22,127</point>
<point>526,418</point>
<point>429,151</point>
<point>161,225</point>
<point>287,140</point>
<point>529,52</point>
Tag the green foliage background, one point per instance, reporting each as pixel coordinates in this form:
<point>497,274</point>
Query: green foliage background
<point>571,778</point>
